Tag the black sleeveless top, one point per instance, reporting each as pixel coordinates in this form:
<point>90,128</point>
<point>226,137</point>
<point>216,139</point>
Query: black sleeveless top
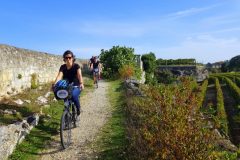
<point>95,64</point>
<point>70,74</point>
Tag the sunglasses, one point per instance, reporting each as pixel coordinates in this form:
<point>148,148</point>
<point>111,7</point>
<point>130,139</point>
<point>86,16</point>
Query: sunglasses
<point>68,57</point>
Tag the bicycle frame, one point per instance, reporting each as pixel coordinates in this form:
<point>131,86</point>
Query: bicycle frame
<point>68,103</point>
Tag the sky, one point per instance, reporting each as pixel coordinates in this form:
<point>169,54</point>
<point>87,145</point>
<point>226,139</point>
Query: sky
<point>207,30</point>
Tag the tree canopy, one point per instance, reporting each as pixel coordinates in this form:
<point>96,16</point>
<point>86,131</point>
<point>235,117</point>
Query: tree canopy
<point>114,58</point>
<point>234,63</point>
<point>149,62</point>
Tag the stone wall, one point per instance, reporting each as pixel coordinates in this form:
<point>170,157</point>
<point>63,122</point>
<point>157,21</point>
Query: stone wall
<point>199,72</point>
<point>18,66</point>
<point>13,134</point>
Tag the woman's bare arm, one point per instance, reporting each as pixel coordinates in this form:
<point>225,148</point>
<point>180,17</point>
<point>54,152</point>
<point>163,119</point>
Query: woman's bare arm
<point>59,77</point>
<point>79,75</point>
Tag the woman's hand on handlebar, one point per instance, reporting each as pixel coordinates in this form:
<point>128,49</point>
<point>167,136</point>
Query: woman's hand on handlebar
<point>81,86</point>
<point>52,87</point>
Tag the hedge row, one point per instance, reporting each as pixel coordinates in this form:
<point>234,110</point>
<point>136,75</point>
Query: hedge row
<point>235,90</point>
<point>237,80</point>
<point>236,74</point>
<point>221,113</point>
<point>202,95</point>
<point>234,78</point>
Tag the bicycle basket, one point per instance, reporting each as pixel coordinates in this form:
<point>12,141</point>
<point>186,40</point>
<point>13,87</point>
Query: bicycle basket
<point>62,90</point>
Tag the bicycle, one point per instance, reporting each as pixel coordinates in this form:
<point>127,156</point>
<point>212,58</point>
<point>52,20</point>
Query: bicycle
<point>69,118</point>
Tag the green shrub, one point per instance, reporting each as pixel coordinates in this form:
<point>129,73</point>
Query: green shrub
<point>19,76</point>
<point>166,77</point>
<point>115,58</point>
<point>34,81</point>
<point>149,62</point>
<point>150,79</point>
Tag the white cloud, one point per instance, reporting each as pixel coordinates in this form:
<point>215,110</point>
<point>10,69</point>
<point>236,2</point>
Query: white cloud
<point>190,11</point>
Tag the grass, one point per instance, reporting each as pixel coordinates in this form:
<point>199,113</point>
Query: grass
<point>42,134</point>
<point>88,84</point>
<point>8,119</point>
<point>111,143</point>
<point>26,109</point>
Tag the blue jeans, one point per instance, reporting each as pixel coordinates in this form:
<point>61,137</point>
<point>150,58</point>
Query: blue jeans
<point>75,96</point>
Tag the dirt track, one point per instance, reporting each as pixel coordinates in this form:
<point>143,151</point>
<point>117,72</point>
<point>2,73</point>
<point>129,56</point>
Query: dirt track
<point>95,111</point>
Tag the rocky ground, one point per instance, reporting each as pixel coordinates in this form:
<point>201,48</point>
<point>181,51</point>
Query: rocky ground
<point>95,111</point>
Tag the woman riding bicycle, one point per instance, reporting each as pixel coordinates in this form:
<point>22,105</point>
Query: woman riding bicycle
<point>72,72</point>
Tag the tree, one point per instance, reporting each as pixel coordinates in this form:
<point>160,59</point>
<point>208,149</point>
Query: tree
<point>149,62</point>
<point>234,63</point>
<point>225,66</point>
<point>190,61</point>
<point>115,58</point>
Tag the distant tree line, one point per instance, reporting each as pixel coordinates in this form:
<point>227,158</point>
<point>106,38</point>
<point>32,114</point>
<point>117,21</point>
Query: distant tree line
<point>190,61</point>
<point>150,63</point>
<point>232,65</point>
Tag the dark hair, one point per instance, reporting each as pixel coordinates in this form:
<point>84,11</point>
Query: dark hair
<point>68,52</point>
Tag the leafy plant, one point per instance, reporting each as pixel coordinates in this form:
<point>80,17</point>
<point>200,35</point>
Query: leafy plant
<point>115,58</point>
<point>19,76</point>
<point>129,70</point>
<point>149,62</point>
<point>165,77</point>
<point>126,71</point>
<point>34,81</point>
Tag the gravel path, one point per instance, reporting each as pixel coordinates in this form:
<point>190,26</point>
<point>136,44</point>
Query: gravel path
<point>95,111</point>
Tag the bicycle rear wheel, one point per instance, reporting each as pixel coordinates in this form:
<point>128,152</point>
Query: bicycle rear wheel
<point>97,82</point>
<point>65,129</point>
<point>96,77</point>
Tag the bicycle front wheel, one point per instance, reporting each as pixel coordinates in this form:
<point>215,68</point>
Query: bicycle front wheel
<point>74,116</point>
<point>65,129</point>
